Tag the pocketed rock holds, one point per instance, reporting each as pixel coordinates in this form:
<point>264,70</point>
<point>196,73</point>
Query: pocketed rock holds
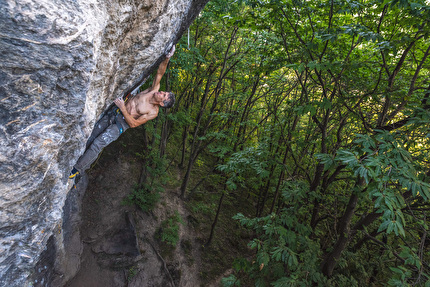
<point>62,62</point>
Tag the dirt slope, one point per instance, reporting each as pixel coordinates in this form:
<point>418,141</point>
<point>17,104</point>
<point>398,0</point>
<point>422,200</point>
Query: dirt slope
<point>120,244</point>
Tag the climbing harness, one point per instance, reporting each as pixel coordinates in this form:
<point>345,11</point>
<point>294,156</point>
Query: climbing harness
<point>127,97</point>
<point>119,113</point>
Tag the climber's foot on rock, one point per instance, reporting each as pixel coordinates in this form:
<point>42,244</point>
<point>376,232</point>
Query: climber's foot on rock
<point>73,173</point>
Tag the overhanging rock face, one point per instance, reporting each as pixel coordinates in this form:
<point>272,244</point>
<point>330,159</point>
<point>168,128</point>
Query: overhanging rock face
<point>62,62</point>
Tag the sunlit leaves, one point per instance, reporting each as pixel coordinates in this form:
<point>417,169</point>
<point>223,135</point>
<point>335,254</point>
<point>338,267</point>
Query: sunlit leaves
<point>384,165</point>
<point>249,162</point>
<point>282,244</point>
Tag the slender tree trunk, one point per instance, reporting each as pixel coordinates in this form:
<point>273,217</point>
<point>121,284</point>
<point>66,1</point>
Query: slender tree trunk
<point>330,259</point>
<point>284,160</point>
<point>145,139</point>
<point>320,167</point>
<point>278,185</point>
<point>187,176</point>
<point>151,143</point>
<point>216,219</point>
<point>260,206</point>
<point>204,178</point>
<point>164,136</point>
<point>184,146</point>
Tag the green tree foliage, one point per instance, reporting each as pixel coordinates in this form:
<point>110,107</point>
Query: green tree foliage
<point>169,231</point>
<point>145,199</point>
<point>317,112</point>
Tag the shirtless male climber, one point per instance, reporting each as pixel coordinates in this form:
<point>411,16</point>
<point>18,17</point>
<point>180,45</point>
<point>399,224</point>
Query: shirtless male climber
<point>135,112</point>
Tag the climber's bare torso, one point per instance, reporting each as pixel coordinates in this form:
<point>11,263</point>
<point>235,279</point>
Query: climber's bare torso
<point>140,105</point>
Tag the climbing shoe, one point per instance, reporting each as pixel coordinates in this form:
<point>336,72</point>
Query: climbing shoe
<point>73,173</point>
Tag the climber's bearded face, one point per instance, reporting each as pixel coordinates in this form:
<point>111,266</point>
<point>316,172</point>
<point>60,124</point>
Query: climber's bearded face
<point>161,96</point>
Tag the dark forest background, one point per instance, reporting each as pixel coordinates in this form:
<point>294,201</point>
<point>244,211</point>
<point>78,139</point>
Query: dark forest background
<point>308,122</point>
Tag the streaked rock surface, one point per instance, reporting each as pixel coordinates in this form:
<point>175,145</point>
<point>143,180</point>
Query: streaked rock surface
<point>62,62</point>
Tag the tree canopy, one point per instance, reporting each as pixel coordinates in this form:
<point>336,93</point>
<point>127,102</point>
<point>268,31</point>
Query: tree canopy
<point>317,113</point>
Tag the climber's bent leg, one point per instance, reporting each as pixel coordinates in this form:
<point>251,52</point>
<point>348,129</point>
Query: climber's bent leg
<point>99,127</point>
<point>110,134</point>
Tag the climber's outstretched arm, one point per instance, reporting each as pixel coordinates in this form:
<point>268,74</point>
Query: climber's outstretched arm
<point>161,70</point>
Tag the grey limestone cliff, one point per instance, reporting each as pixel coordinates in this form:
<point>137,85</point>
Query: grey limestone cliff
<point>62,62</point>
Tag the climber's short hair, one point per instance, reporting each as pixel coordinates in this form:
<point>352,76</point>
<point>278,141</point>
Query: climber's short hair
<point>170,101</point>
